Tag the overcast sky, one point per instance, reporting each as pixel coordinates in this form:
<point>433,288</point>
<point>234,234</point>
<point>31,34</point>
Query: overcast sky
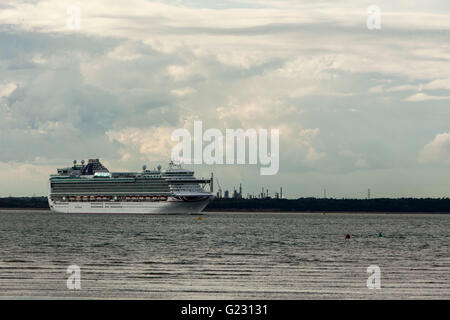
<point>356,108</point>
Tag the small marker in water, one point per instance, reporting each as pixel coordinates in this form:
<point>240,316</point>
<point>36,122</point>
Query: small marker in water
<point>379,234</point>
<point>347,236</point>
<point>199,218</point>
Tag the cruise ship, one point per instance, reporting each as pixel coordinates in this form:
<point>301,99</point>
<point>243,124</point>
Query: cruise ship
<point>92,188</point>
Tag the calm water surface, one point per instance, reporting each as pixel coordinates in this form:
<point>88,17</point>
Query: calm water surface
<point>225,255</point>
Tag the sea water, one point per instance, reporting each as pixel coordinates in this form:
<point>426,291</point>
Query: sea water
<point>224,255</point>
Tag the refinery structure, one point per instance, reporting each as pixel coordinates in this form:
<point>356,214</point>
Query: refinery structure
<point>237,193</point>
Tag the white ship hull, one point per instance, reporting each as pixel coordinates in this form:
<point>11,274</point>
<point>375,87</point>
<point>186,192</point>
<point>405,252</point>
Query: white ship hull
<point>156,207</point>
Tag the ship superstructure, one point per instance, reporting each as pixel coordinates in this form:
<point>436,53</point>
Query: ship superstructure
<point>92,188</point>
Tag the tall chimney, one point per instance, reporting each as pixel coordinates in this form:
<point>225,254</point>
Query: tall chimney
<point>211,184</point>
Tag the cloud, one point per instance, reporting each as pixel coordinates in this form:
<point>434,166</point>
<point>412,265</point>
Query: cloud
<point>437,150</point>
<point>377,89</point>
<point>320,67</point>
<point>438,84</point>
<point>136,70</point>
<point>404,87</point>
<point>180,73</point>
<point>38,59</point>
<point>124,53</point>
<point>7,89</point>
<point>183,91</point>
<point>425,97</point>
<point>16,175</point>
<point>154,144</point>
<point>245,37</point>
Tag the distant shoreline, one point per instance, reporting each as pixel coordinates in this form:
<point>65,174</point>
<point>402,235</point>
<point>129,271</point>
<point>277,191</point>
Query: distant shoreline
<point>325,212</point>
<point>310,205</point>
<point>21,209</point>
<point>328,205</point>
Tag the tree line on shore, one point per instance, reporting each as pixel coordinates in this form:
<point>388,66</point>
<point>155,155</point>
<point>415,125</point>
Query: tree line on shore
<point>24,202</point>
<point>336,205</point>
<point>286,205</point>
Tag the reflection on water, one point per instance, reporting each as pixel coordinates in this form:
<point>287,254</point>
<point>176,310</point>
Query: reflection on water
<point>225,255</point>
